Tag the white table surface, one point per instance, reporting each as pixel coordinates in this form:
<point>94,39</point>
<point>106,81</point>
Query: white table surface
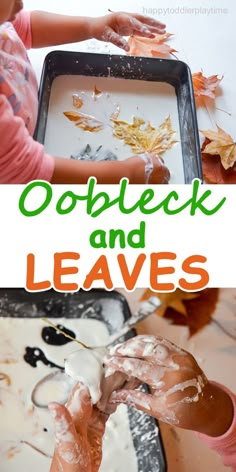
<point>205,42</point>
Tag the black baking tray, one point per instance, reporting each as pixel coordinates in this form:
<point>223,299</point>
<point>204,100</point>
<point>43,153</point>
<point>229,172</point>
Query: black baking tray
<point>175,73</point>
<point>96,304</point>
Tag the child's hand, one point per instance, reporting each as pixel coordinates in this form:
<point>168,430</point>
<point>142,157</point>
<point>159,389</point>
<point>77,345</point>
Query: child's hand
<point>111,28</point>
<point>139,171</point>
<point>79,431</point>
<point>180,392</point>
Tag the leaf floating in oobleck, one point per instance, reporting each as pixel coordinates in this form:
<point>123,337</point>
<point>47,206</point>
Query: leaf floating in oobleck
<point>143,137</point>
<point>85,122</point>
<point>77,101</point>
<point>6,378</point>
<point>96,93</point>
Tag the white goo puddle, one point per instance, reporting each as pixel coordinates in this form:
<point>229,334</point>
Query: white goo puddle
<point>21,421</point>
<point>151,101</point>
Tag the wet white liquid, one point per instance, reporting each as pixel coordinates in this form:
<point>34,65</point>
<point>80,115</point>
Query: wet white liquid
<point>151,101</point>
<point>20,421</point>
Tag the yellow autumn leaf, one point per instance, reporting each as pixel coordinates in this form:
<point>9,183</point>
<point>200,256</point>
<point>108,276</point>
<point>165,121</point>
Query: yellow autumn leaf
<point>223,145</point>
<point>143,137</point>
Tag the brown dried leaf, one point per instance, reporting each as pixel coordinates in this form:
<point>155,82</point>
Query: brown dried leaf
<point>221,144</point>
<point>85,122</point>
<point>143,137</point>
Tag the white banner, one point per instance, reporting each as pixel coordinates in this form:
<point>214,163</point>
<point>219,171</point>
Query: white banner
<point>161,237</point>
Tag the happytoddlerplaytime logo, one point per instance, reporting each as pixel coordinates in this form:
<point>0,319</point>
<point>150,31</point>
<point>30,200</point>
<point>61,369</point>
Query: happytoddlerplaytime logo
<point>184,10</point>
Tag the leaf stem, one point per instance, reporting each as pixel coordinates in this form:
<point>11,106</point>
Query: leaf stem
<point>47,321</point>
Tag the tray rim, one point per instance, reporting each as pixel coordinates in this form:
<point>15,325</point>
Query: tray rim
<point>118,57</point>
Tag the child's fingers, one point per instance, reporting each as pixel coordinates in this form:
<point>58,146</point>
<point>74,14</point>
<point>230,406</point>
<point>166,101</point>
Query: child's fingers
<point>135,26</point>
<point>144,371</point>
<point>147,403</point>
<point>147,347</point>
<point>80,407</point>
<point>151,22</point>
<point>96,432</point>
<point>141,401</point>
<point>135,347</point>
<point>110,36</point>
<point>68,450</point>
<point>132,384</point>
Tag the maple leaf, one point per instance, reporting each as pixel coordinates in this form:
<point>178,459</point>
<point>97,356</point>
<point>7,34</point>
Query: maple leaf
<point>85,122</point>
<point>199,307</point>
<point>155,47</point>
<point>206,86</point>
<point>143,137</point>
<point>213,171</point>
<point>221,144</point>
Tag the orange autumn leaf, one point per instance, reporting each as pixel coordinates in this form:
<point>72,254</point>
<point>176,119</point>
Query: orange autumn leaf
<point>221,144</point>
<point>172,300</point>
<point>6,378</point>
<point>85,122</point>
<point>96,93</point>
<point>213,171</point>
<point>155,47</point>
<point>77,101</point>
<point>206,86</point>
<point>198,309</point>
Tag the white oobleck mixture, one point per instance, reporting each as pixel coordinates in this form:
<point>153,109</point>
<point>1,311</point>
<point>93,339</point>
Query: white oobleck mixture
<point>20,421</point>
<point>150,101</point>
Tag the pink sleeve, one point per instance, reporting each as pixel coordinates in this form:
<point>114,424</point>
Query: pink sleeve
<point>22,25</point>
<point>225,445</point>
<point>21,158</point>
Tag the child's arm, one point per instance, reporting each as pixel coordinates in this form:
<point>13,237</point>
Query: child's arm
<point>225,444</point>
<point>69,171</point>
<point>22,159</point>
<point>49,29</point>
<point>181,394</point>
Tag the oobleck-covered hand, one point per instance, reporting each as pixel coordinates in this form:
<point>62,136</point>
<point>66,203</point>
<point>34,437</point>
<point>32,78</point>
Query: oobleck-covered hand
<point>113,27</point>
<point>180,392</point>
<point>87,367</point>
<point>79,430</point>
<point>147,169</point>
